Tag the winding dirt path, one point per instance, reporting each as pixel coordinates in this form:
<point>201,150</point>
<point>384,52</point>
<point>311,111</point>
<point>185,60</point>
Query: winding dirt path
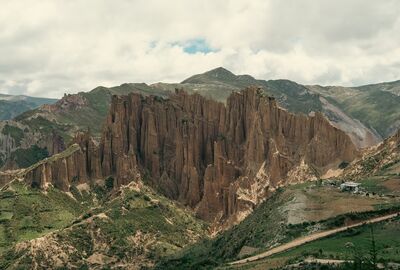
<point>303,240</point>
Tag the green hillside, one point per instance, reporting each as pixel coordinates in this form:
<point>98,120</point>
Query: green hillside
<point>134,226</point>
<point>290,213</point>
<point>11,106</point>
<point>351,245</point>
<point>374,105</point>
<point>27,213</point>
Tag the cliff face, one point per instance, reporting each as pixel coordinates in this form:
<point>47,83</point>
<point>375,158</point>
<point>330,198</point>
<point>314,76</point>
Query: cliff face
<point>220,160</point>
<point>216,158</point>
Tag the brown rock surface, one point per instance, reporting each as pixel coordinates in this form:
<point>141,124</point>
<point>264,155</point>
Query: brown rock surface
<point>220,160</point>
<point>206,152</point>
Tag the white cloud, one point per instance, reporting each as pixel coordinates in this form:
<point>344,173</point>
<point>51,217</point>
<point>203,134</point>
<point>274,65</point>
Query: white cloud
<point>51,47</point>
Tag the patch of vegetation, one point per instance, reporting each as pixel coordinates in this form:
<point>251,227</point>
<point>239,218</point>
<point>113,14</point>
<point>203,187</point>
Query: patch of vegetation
<point>27,157</point>
<point>343,165</point>
<point>295,97</point>
<point>14,132</point>
<point>45,126</point>
<point>250,232</point>
<point>373,185</point>
<point>385,167</point>
<point>109,183</point>
<point>27,213</point>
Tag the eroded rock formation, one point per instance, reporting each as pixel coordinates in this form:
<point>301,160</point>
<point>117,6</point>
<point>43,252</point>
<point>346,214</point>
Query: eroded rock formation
<point>221,160</point>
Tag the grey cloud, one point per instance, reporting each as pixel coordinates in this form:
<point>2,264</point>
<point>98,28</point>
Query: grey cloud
<point>51,47</point>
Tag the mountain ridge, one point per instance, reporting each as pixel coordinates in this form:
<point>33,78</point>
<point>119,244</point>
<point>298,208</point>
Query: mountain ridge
<point>53,126</point>
<point>13,105</point>
<point>205,154</point>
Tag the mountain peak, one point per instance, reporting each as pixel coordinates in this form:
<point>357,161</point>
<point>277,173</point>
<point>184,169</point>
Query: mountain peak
<point>219,71</point>
<point>216,74</point>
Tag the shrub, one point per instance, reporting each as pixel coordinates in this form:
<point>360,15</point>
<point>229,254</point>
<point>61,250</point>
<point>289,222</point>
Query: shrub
<point>343,165</point>
<point>109,182</point>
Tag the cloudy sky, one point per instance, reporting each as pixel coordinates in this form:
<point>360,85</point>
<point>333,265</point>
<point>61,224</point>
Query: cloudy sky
<point>48,48</point>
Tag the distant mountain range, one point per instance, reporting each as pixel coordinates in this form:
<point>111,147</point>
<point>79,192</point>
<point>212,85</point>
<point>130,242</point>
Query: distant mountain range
<point>367,113</point>
<point>11,106</point>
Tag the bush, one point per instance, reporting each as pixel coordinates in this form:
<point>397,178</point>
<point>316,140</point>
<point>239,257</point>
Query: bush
<point>26,157</point>
<point>343,165</point>
<point>109,182</point>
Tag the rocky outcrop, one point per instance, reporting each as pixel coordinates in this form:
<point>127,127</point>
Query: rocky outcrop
<point>221,160</point>
<point>67,103</point>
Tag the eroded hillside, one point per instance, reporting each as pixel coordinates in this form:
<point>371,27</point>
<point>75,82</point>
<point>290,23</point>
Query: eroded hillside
<point>222,160</point>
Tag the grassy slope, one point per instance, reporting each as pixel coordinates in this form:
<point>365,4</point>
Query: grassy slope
<point>372,105</point>
<point>341,246</point>
<point>27,213</point>
<point>270,224</point>
<point>133,227</point>
<point>388,246</point>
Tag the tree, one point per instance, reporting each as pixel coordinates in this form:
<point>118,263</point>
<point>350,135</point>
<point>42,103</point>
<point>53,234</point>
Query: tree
<point>109,182</point>
<point>373,252</point>
<point>357,256</point>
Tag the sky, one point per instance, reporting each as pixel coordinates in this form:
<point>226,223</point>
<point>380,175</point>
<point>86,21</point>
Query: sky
<point>48,48</point>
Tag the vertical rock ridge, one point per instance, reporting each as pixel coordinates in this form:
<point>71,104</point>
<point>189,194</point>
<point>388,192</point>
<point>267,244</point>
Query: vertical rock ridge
<point>220,160</point>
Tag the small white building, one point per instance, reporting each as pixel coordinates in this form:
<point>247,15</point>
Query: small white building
<point>350,186</point>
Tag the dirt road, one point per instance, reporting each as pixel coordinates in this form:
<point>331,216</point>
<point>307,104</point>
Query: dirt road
<point>303,240</point>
